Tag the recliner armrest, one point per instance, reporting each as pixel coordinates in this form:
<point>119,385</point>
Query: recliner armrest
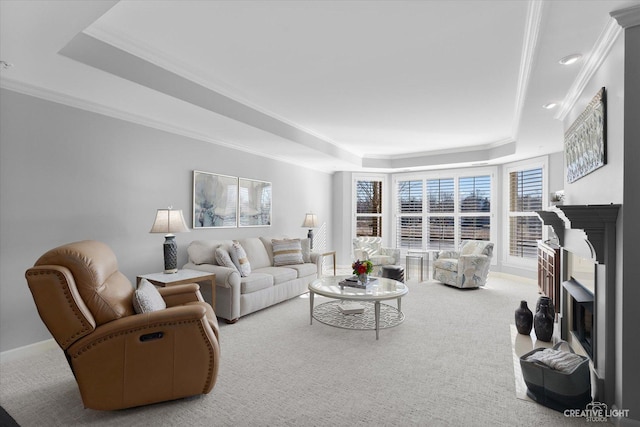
<point>176,295</point>
<point>174,352</point>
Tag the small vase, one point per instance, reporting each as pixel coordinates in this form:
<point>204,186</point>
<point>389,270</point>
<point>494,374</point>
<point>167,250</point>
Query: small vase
<point>524,319</point>
<point>363,278</point>
<point>550,306</point>
<point>543,320</point>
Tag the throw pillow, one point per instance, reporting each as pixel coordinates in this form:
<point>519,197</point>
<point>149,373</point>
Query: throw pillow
<point>239,258</point>
<point>306,249</point>
<point>147,298</point>
<point>287,252</point>
<point>224,259</point>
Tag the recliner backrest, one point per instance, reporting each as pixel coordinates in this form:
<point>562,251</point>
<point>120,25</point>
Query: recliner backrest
<point>106,292</point>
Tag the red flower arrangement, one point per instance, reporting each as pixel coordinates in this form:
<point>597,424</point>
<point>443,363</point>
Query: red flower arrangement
<point>362,267</point>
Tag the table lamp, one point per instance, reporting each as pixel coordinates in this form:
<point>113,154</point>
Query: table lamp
<point>169,221</point>
<point>310,222</point>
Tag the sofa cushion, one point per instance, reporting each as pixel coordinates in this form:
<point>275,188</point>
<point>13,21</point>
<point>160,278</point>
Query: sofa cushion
<point>255,282</point>
<point>224,259</point>
<point>305,269</point>
<point>279,274</point>
<point>147,298</point>
<point>286,252</point>
<point>202,252</point>
<point>239,258</point>
<point>256,252</point>
<point>449,264</point>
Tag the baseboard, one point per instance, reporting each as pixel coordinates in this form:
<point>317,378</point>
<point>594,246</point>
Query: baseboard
<point>514,276</point>
<point>28,350</point>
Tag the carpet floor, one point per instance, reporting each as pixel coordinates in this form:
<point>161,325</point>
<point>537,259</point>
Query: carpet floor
<point>449,364</point>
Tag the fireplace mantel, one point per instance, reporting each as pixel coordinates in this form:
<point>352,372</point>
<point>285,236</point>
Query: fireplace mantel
<point>595,220</point>
<point>598,222</point>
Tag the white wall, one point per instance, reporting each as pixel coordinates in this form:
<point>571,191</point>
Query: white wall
<point>617,182</point>
<point>68,174</point>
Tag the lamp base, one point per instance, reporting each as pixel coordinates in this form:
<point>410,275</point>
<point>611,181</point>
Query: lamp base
<point>310,237</point>
<point>170,254</point>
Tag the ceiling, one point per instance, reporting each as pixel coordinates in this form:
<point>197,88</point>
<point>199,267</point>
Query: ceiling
<point>330,85</point>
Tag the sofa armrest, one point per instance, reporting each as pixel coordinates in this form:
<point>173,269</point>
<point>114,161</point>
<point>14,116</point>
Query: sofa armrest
<point>226,277</point>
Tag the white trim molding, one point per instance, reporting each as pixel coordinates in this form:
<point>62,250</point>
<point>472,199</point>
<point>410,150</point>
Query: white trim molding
<point>629,17</point>
<point>600,51</point>
<point>28,350</point>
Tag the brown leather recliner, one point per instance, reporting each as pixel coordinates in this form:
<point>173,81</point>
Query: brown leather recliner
<point>121,359</point>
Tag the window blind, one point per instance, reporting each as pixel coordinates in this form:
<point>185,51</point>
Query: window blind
<point>440,195</point>
<point>409,214</point>
<point>525,197</point>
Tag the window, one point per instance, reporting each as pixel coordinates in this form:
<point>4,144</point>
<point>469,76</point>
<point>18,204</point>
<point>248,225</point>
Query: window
<point>409,226</point>
<point>524,188</point>
<point>439,212</point>
<point>475,207</point>
<point>525,197</point>
<point>369,208</point>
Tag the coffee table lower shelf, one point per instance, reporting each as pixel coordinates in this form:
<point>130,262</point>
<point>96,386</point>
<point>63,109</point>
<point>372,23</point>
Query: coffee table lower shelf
<point>329,314</point>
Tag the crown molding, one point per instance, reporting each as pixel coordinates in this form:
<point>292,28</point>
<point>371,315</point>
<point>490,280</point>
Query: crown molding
<point>197,75</point>
<point>94,107</point>
<point>600,51</point>
<point>628,17</point>
<point>531,33</point>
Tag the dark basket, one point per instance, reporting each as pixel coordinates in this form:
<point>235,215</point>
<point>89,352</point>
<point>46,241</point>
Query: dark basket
<point>557,389</point>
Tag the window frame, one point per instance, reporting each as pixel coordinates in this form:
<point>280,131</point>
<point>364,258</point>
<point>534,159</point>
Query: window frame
<point>456,174</point>
<point>354,200</point>
<point>535,163</point>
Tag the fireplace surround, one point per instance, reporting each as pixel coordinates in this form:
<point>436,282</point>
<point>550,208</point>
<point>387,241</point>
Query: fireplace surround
<point>589,315</point>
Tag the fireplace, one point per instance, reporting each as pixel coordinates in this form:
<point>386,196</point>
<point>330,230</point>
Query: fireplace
<point>581,322</point>
<point>588,312</point>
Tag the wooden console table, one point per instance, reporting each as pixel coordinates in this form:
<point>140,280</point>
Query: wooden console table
<point>549,272</point>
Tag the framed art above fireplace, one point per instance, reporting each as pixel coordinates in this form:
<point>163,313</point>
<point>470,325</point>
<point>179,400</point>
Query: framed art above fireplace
<point>585,147</point>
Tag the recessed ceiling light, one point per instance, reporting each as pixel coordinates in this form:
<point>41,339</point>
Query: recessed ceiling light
<point>570,59</point>
<point>550,105</point>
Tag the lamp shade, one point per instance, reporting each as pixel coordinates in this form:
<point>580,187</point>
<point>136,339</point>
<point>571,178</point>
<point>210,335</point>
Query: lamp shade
<point>169,221</point>
<point>310,220</point>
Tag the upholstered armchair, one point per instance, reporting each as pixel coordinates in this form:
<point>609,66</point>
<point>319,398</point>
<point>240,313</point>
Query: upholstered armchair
<point>467,268</point>
<point>121,359</point>
<point>370,248</point>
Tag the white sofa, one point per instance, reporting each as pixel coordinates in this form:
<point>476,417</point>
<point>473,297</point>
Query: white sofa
<point>266,285</point>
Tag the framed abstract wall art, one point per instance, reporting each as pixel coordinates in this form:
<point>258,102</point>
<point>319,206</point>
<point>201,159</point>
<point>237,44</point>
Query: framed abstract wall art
<point>254,203</point>
<point>215,200</point>
<point>585,142</point>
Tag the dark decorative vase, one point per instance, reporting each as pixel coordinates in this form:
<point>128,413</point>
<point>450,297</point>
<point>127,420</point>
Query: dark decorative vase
<point>543,320</point>
<point>551,307</point>
<point>524,319</point>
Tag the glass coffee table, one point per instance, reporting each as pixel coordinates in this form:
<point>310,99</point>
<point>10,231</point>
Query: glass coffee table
<point>374,316</point>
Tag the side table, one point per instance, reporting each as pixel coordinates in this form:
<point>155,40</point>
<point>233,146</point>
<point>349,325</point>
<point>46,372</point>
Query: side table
<point>183,277</point>
<point>423,257</point>
<point>324,254</point>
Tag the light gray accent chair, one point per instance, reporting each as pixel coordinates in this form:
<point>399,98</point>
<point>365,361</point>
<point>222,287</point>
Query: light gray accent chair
<point>466,268</point>
<point>370,248</point>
